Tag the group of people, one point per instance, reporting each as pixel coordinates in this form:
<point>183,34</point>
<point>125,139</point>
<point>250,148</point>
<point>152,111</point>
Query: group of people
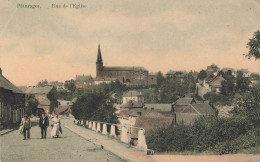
<point>26,125</point>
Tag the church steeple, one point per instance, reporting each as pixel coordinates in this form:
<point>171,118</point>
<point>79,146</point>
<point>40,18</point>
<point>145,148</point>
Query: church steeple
<point>99,63</point>
<point>99,57</point>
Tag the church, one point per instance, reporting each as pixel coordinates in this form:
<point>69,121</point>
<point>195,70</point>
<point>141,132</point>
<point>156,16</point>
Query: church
<point>131,76</point>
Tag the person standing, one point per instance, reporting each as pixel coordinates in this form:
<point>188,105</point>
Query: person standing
<point>26,123</point>
<point>44,124</point>
<point>56,127</point>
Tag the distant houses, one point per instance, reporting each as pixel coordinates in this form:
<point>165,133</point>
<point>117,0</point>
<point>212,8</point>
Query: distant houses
<point>135,113</point>
<point>83,81</point>
<point>12,103</point>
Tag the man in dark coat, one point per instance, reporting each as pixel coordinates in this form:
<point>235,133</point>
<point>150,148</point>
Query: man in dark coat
<point>44,124</point>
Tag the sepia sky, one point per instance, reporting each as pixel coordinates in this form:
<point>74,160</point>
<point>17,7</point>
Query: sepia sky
<point>57,44</point>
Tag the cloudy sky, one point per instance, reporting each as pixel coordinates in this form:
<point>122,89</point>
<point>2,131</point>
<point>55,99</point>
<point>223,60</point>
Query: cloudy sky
<point>57,44</point>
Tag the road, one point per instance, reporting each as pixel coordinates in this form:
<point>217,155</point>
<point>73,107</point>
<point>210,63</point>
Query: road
<point>69,147</point>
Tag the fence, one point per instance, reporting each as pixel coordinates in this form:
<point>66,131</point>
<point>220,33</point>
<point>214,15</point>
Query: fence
<point>113,130</point>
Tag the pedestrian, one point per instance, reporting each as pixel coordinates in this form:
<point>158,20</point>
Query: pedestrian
<point>56,127</point>
<point>44,124</point>
<point>26,124</point>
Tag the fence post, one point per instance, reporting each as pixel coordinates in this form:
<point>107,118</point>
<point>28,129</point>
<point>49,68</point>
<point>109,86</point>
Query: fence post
<point>98,127</point>
<point>104,131</point>
<point>90,125</point>
<point>94,126</point>
<point>113,130</point>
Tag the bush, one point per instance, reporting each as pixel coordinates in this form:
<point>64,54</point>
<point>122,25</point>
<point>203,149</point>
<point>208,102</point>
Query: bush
<point>250,139</point>
<point>207,133</point>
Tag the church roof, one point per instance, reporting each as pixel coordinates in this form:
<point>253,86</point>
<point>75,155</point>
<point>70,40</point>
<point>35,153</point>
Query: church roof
<point>122,68</point>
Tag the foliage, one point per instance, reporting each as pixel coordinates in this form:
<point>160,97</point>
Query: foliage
<point>242,82</point>
<point>202,75</point>
<point>70,86</point>
<point>96,105</point>
<point>249,106</point>
<point>42,83</point>
<point>52,96</point>
<point>32,106</point>
<point>248,140</point>
<point>228,85</point>
<point>254,76</point>
<point>218,99</point>
<point>211,133</point>
<point>160,78</point>
<point>64,95</point>
<point>213,66</point>
<point>205,134</point>
<point>151,95</point>
<point>254,46</point>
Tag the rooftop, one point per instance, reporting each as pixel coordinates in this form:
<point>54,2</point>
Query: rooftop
<point>185,101</point>
<point>38,90</point>
<point>121,68</point>
<point>6,84</point>
<point>159,107</point>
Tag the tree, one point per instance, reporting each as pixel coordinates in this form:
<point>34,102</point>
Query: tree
<point>94,105</point>
<point>42,83</point>
<point>52,96</point>
<point>249,106</point>
<point>228,85</point>
<point>32,105</point>
<point>70,86</point>
<point>254,46</point>
<point>202,75</point>
<point>242,82</point>
<point>160,78</point>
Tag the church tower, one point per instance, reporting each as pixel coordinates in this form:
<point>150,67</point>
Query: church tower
<point>99,63</point>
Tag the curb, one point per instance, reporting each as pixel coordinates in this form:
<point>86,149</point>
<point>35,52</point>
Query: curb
<point>7,132</point>
<point>105,148</point>
<point>10,130</point>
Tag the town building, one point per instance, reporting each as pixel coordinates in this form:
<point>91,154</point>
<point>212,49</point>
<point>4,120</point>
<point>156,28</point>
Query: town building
<point>187,109</point>
<point>12,103</point>
<point>64,107</point>
<point>83,81</point>
<point>40,93</point>
<point>131,76</point>
<point>135,115</point>
<point>133,96</point>
<point>212,83</point>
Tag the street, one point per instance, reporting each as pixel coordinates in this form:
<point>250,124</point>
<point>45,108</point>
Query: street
<point>69,147</point>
